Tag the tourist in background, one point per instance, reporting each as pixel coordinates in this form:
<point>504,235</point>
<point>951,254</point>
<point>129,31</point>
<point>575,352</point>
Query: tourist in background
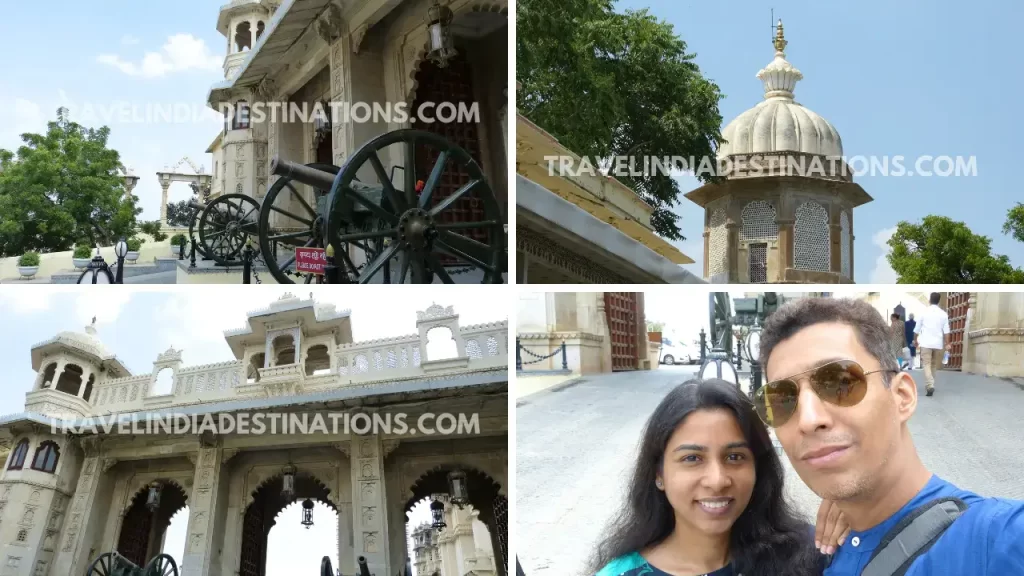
<point>897,337</point>
<point>911,349</point>
<point>931,336</point>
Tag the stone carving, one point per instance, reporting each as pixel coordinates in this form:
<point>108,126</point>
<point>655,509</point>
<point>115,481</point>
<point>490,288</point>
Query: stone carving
<point>435,311</point>
<point>389,446</point>
<point>171,355</point>
<point>343,447</point>
<point>366,448</point>
<point>109,463</point>
<point>239,169</point>
<point>90,466</point>
<point>196,542</point>
<point>34,497</point>
<point>369,491</point>
<point>26,519</point>
<point>367,470</point>
<point>7,492</point>
<point>369,513</point>
<point>330,24</point>
<point>583,270</point>
<point>370,542</point>
<point>122,394</point>
<point>135,391</point>
<point>267,89</point>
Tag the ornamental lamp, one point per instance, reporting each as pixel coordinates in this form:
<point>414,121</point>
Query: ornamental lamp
<point>288,483</point>
<point>153,500</point>
<point>457,488</point>
<point>718,366</point>
<point>121,248</point>
<point>437,514</point>
<point>307,513</point>
<point>442,46</point>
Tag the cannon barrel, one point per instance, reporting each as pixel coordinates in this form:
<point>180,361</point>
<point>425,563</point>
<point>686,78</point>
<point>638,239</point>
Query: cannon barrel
<point>302,173</point>
<point>325,567</point>
<point>364,569</point>
<point>196,205</point>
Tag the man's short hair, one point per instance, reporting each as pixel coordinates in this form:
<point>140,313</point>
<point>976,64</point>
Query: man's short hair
<point>934,298</point>
<point>867,323</point>
<point>895,315</point>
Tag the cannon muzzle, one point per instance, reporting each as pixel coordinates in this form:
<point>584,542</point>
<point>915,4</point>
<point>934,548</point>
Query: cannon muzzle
<point>196,205</point>
<point>325,567</point>
<point>364,569</point>
<point>314,177</point>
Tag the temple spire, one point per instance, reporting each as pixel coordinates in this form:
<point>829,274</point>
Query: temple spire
<point>780,40</point>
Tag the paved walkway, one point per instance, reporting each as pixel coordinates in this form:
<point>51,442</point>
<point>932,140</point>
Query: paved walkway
<point>576,444</point>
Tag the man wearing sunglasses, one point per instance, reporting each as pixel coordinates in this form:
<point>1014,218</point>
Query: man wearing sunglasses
<point>840,405</point>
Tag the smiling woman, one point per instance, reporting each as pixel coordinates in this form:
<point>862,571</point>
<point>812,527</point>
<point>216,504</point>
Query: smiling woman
<point>706,495</point>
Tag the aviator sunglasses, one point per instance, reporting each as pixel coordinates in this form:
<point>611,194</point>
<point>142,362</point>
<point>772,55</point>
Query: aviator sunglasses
<point>842,383</point>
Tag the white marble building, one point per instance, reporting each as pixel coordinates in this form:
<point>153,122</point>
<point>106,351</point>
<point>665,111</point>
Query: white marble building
<point>65,499</point>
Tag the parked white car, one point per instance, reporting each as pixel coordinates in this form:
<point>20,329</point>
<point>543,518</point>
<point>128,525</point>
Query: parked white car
<point>675,352</point>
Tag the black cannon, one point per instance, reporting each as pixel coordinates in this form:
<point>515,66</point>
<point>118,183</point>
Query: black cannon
<point>410,233</point>
<point>113,564</point>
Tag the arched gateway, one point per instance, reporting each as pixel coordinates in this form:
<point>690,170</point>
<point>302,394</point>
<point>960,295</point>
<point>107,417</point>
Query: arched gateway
<point>116,489</point>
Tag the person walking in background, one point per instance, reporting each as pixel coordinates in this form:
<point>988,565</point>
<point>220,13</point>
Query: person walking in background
<point>897,337</point>
<point>911,349</point>
<point>931,336</point>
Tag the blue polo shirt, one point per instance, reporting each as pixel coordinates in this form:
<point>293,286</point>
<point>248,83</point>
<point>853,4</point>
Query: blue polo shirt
<point>986,540</point>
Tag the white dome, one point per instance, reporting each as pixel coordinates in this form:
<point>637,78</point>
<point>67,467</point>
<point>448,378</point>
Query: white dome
<point>780,124</point>
<point>87,342</point>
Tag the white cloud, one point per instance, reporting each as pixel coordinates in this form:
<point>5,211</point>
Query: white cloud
<point>883,272</point>
<point>129,40</point>
<point>104,305</point>
<point>180,53</point>
<point>16,118</point>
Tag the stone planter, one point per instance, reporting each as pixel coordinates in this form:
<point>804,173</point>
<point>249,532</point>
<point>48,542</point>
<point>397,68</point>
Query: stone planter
<point>81,262</point>
<point>131,257</point>
<point>28,271</point>
<point>175,249</point>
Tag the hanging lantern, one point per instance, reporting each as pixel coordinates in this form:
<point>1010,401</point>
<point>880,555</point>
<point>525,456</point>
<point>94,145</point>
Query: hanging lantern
<point>153,500</point>
<point>307,513</point>
<point>322,124</point>
<point>288,483</point>
<point>437,513</point>
<point>442,47</point>
<point>457,488</point>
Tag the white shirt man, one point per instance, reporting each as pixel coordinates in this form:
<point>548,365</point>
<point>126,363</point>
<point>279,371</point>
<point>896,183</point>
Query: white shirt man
<point>931,337</point>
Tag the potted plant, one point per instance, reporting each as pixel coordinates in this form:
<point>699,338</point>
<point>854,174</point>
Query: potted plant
<point>176,243</point>
<point>82,255</point>
<point>28,264</point>
<point>133,249</point>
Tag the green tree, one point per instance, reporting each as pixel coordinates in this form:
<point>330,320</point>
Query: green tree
<point>940,250</point>
<point>179,213</point>
<point>608,84</point>
<point>1014,224</point>
<point>61,187</point>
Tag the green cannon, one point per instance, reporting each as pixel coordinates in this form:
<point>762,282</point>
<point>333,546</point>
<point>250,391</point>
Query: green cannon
<point>113,564</point>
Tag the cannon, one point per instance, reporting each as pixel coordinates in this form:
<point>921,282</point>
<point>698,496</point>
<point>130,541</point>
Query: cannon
<point>364,569</point>
<point>408,234</point>
<point>113,564</point>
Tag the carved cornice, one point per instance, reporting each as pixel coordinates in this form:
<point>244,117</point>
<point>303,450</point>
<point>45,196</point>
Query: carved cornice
<point>344,447</point>
<point>108,463</point>
<point>357,37</point>
<point>985,332</point>
<point>559,336</point>
<point>388,446</point>
<point>330,24</point>
<point>580,269</point>
<point>91,446</point>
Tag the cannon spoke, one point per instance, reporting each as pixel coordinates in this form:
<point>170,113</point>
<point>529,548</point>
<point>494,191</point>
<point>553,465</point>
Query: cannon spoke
<point>377,262</point>
<point>435,177</point>
<point>466,248</point>
<point>397,203</point>
<point>292,216</point>
<point>466,225</point>
<point>438,269</point>
<point>444,204</point>
<point>403,264</point>
<point>367,235</point>
<point>302,200</point>
<point>298,234</point>
<point>373,207</point>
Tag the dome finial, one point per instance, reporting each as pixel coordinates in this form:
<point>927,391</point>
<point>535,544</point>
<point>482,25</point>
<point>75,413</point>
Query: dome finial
<point>780,40</point>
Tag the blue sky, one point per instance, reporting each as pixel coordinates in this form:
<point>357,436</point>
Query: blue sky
<point>138,324</point>
<point>79,54</point>
<point>904,78</point>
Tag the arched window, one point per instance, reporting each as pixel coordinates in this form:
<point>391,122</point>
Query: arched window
<point>46,457</point>
<point>241,116</point>
<point>18,456</point>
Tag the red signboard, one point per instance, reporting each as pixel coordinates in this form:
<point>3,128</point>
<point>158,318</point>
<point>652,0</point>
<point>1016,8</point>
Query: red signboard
<point>310,260</point>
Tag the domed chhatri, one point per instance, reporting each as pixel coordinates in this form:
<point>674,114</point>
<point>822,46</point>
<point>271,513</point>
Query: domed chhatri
<point>783,211</point>
<point>778,123</point>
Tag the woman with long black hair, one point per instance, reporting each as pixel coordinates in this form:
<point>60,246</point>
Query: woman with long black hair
<point>706,496</point>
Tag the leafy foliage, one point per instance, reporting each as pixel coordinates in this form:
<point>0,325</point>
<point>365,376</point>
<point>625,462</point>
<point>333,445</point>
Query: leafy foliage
<point>82,251</point>
<point>61,187</point>
<point>134,244</point>
<point>29,259</point>
<point>177,239</point>
<point>607,84</point>
<point>179,213</point>
<point>1014,224</point>
<point>153,229</point>
<point>940,250</point>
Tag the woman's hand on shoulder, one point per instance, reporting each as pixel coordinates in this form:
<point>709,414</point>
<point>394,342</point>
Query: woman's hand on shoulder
<point>831,528</point>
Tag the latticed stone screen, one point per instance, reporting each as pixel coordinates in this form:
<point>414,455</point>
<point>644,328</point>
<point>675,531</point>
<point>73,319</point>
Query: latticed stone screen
<point>811,243</point>
<point>844,244</point>
<point>759,222</point>
<point>758,263</point>
<point>717,241</point>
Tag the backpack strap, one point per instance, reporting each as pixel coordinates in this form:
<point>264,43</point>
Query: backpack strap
<point>912,536</point>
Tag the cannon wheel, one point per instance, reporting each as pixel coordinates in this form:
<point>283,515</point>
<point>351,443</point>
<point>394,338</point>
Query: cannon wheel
<point>103,565</point>
<point>225,225</point>
<point>410,225</point>
<point>307,230</point>
<point>192,233</point>
<point>161,565</point>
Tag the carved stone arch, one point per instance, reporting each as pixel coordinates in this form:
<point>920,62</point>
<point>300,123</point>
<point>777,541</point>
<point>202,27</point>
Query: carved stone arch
<point>499,7</point>
<point>415,56</point>
<point>133,541</point>
<point>275,480</point>
<point>140,485</point>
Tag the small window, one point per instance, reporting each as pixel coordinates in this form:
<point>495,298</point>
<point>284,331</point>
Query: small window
<point>22,535</point>
<point>18,456</point>
<point>46,457</point>
<point>241,115</point>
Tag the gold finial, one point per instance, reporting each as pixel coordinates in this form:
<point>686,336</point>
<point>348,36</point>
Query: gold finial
<point>780,40</point>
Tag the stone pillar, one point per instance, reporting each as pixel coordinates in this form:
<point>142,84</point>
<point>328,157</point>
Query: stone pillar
<point>58,373</point>
<point>835,234</point>
<point>163,202</point>
<point>199,540</point>
<point>86,373</point>
<point>84,520</point>
<point>369,506</point>
<point>785,246</point>
<point>732,256</point>
<point>707,239</point>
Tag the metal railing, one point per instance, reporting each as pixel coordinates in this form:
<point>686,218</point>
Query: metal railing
<point>537,358</point>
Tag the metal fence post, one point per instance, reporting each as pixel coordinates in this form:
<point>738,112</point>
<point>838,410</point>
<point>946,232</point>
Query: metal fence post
<point>739,355</point>
<point>703,346</point>
<point>519,356</point>
<point>565,363</point>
